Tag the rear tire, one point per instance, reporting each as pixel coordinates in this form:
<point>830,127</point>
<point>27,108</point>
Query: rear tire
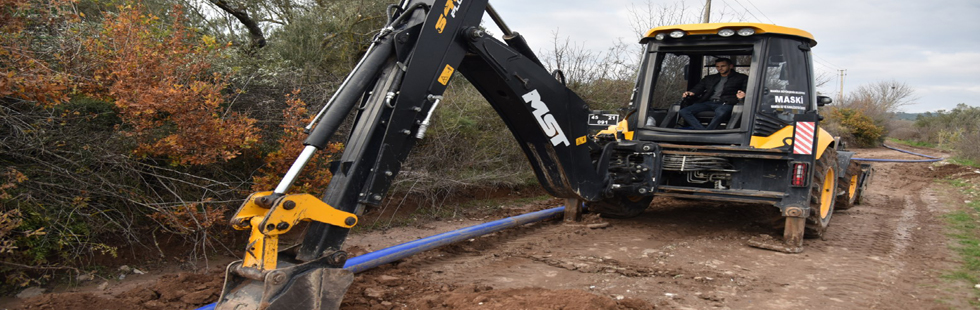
<point>848,187</point>
<point>620,206</point>
<point>823,193</point>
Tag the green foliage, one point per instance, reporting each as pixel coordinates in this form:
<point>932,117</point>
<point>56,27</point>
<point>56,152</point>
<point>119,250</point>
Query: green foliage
<point>329,38</point>
<point>861,128</point>
<point>957,129</point>
<point>965,162</point>
<point>965,233</point>
<point>467,145</point>
<point>912,142</point>
<point>878,102</point>
<point>72,180</point>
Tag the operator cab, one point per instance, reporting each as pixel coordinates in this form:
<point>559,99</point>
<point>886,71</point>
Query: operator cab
<point>775,59</point>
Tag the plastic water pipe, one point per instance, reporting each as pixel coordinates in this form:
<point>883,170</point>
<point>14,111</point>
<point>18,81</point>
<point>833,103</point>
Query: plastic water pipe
<point>391,254</point>
<point>208,307</point>
<point>388,255</point>
<point>931,159</point>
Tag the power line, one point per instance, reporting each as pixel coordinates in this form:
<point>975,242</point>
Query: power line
<point>741,17</point>
<point>760,11</point>
<point>825,60</point>
<point>826,66</point>
<point>819,59</point>
<point>747,10</point>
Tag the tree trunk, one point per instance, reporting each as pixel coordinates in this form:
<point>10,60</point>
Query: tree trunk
<point>255,33</point>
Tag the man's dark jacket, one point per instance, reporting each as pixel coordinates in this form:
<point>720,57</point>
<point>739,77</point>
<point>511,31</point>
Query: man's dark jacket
<point>736,81</point>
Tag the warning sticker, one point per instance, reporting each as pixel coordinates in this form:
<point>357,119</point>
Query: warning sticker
<point>446,74</point>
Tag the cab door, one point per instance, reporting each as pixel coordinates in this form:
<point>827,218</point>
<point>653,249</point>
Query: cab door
<point>787,89</point>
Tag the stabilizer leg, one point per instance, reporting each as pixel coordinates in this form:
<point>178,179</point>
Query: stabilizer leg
<point>792,242</point>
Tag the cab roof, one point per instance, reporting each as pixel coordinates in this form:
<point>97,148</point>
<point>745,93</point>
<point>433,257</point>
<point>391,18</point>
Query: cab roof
<point>713,28</point>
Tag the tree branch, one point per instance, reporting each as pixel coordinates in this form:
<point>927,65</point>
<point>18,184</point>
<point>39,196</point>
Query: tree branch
<point>255,33</point>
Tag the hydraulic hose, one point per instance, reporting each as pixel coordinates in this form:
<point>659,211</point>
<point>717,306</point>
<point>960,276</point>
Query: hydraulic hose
<point>394,253</point>
<point>931,159</point>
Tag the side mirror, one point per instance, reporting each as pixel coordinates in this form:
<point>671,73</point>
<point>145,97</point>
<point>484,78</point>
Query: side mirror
<point>824,100</point>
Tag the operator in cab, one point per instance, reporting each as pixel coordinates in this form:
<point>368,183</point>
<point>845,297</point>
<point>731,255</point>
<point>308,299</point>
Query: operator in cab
<point>716,92</point>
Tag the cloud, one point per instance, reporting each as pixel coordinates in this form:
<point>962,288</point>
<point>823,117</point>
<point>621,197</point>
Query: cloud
<point>931,46</point>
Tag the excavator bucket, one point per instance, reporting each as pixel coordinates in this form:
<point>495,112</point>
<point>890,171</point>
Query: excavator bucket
<point>307,286</point>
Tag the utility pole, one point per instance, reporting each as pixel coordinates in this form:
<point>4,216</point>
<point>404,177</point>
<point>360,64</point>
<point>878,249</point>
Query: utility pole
<point>840,95</point>
<point>707,12</point>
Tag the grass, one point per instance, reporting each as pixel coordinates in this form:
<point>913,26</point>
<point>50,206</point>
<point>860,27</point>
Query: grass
<point>965,162</point>
<point>965,232</point>
<point>911,143</point>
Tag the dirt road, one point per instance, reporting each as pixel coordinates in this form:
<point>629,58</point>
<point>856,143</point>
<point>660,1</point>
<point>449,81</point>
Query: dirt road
<point>888,253</point>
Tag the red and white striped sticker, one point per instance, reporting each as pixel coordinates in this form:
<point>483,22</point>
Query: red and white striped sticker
<point>803,143</point>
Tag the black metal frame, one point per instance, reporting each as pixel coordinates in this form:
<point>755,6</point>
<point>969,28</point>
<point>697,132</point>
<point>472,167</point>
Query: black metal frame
<point>394,89</point>
<point>508,76</point>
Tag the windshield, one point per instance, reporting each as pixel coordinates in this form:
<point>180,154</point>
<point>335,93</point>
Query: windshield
<point>695,71</point>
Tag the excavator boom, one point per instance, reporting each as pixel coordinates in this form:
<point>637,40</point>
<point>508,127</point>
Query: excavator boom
<point>393,91</point>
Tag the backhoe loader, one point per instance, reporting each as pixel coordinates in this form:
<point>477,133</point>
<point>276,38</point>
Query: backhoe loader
<point>771,149</point>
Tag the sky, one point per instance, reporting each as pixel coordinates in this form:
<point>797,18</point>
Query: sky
<point>933,46</point>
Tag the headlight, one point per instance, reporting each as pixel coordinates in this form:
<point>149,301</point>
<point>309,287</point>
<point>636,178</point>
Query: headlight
<point>746,32</point>
<point>660,36</point>
<point>676,34</point>
<point>726,32</point>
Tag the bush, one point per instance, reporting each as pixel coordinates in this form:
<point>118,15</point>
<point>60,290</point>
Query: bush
<point>956,129</point>
<point>903,130</point>
<point>140,140</point>
<point>855,128</point>
<point>969,146</point>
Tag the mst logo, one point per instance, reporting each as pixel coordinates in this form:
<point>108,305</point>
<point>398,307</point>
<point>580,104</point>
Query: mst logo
<point>545,119</point>
<point>451,7</point>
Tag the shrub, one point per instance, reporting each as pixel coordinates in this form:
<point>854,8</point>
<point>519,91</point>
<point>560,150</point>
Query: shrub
<point>903,130</point>
<point>103,153</point>
<point>316,174</point>
<point>955,129</point>
<point>969,146</point>
<point>159,80</point>
<point>855,124</point>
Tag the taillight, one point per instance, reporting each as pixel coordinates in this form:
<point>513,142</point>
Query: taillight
<point>799,174</point>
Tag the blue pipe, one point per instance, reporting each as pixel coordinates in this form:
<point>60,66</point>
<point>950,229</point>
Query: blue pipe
<point>910,152</point>
<point>388,255</point>
<point>898,160</point>
<point>931,159</point>
<point>384,256</point>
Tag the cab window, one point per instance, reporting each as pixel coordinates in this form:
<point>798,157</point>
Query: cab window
<point>785,92</point>
<point>671,81</point>
<point>678,70</point>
